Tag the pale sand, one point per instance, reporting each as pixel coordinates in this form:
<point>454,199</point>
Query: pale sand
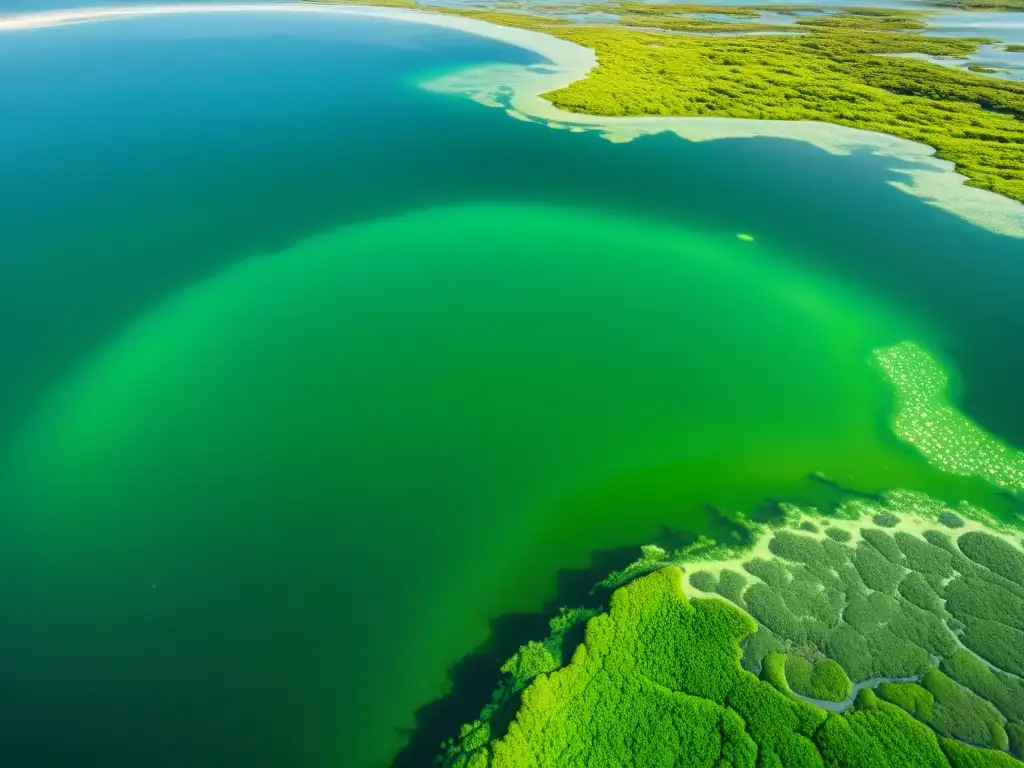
<point>518,89</point>
<point>915,525</point>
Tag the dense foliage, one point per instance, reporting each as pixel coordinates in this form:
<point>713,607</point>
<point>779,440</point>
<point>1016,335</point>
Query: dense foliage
<point>834,73</point>
<point>657,682</point>
<point>894,605</point>
<point>837,72</point>
<point>910,697</point>
<point>959,713</point>
<point>829,681</point>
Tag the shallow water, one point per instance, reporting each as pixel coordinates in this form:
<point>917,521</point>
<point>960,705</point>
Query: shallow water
<point>310,374</point>
<point>1007,27</point>
<point>1007,65</point>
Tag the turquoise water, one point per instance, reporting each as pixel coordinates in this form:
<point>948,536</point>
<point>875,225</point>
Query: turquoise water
<point>1007,27</point>
<point>311,376</point>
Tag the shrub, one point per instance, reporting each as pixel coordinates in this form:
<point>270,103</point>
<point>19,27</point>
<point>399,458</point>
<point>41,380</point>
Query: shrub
<point>829,681</point>
<point>530,660</point>
<point>651,556</point>
<point>967,597</point>
<point>756,646</point>
<point>765,605</point>
<point>939,539</point>
<point>1004,691</point>
<point>656,682</point>
<point>474,735</point>
<point>963,756</point>
<point>1015,731</point>
<point>923,556</point>
<point>798,674</point>
<point>771,572</point>
<point>995,554</point>
<point>877,735</point>
<point>995,642</point>
<point>894,656</point>
<point>772,718</point>
<point>950,520</point>
<point>922,628</point>
<point>568,618</point>
<point>884,543</point>
<point>877,571</point>
<point>963,715</point>
<point>704,581</point>
<point>886,520</point>
<point>799,549</point>
<point>865,612</point>
<point>731,585</point>
<point>838,534</point>
<point>910,697</point>
<point>994,578</point>
<point>849,649</point>
<point>808,526</point>
<point>917,590</point>
<point>850,578</point>
<point>805,597</point>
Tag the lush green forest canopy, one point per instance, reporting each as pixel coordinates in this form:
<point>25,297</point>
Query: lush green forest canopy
<point>658,680</point>
<point>919,603</point>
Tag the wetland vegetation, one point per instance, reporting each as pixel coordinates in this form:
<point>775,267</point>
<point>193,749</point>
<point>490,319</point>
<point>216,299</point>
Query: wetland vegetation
<point>836,73</point>
<point>930,620</point>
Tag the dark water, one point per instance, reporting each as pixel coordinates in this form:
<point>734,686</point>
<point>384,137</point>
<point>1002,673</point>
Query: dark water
<point>309,374</point>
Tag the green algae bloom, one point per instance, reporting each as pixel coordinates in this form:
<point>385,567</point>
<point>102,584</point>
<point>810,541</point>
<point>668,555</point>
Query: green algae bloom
<point>944,436</point>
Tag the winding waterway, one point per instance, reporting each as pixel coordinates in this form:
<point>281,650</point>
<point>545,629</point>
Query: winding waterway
<point>310,373</point>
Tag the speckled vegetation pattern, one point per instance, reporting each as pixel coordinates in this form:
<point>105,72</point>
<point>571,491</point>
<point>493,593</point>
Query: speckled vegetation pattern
<point>899,604</point>
<point>926,420</point>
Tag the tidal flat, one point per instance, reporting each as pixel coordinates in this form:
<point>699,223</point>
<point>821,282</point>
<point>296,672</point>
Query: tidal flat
<point>305,360</point>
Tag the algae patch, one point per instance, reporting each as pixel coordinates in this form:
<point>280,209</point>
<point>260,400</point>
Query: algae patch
<point>943,435</point>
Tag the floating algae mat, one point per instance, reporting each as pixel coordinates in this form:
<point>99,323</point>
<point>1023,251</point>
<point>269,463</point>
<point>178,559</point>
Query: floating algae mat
<point>306,387</point>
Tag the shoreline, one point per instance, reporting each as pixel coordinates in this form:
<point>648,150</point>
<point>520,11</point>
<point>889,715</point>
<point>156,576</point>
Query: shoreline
<point>914,523</point>
<point>518,91</point>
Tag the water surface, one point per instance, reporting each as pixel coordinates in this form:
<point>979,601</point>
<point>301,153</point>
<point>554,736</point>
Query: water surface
<point>309,374</point>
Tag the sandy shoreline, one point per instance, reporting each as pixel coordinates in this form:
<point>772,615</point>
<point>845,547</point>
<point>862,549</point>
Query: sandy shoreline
<point>518,89</point>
